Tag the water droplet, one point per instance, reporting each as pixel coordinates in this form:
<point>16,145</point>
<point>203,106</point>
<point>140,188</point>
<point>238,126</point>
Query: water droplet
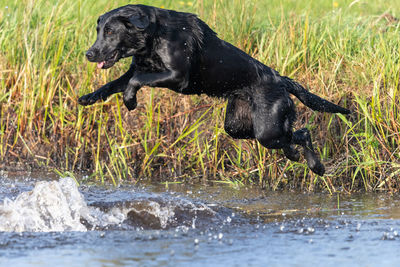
<point>220,236</point>
<point>310,230</point>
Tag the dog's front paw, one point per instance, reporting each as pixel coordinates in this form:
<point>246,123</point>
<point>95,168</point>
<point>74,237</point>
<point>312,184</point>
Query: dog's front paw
<point>130,99</point>
<point>91,98</point>
<point>130,104</point>
<point>87,100</point>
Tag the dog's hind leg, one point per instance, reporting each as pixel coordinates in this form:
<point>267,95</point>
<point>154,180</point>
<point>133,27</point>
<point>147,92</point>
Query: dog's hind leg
<point>273,115</point>
<point>238,121</point>
<point>302,137</point>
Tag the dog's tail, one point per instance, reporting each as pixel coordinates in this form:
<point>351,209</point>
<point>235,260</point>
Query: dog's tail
<point>310,100</point>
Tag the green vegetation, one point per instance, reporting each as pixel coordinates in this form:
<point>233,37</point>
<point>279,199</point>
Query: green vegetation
<point>345,51</point>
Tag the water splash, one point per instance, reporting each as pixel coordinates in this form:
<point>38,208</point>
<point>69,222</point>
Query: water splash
<point>50,206</point>
<point>59,206</point>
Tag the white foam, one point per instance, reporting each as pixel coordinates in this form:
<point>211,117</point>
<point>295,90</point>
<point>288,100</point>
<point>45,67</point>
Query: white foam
<point>59,206</point>
<point>52,207</point>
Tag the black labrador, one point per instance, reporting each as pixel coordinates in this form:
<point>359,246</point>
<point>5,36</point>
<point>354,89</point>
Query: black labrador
<point>179,51</point>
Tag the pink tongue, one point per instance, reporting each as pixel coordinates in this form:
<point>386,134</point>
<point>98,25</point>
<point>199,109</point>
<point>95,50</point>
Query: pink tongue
<point>100,64</point>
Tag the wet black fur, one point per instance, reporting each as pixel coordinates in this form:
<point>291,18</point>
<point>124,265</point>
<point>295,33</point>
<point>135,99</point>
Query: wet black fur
<point>178,51</point>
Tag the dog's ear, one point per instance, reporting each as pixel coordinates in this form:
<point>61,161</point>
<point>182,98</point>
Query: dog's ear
<point>139,21</point>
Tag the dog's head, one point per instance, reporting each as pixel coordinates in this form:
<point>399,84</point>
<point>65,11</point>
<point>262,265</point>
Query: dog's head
<point>122,32</point>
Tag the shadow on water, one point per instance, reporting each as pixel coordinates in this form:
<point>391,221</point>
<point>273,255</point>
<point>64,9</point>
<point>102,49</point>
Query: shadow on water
<point>55,223</point>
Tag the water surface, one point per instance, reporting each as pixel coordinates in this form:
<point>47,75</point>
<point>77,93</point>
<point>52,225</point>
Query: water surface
<point>56,223</point>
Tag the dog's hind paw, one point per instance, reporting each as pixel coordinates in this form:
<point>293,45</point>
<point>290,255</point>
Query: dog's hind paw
<point>318,168</point>
<point>314,162</point>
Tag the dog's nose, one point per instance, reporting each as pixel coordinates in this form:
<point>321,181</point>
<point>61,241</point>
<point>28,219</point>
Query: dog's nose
<point>90,55</point>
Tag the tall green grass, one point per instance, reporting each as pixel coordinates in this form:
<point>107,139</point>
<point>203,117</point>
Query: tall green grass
<point>345,51</point>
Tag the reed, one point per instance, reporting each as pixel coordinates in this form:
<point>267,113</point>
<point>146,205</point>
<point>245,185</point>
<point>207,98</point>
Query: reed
<point>344,51</point>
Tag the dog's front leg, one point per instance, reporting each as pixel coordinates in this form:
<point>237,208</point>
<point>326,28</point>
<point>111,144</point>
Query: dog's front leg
<point>129,97</point>
<point>116,86</point>
<point>168,79</point>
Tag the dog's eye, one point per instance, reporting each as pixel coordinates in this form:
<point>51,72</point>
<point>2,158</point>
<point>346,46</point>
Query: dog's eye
<point>109,32</point>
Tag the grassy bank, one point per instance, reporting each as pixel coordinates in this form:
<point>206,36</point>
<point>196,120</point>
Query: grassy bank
<point>345,51</point>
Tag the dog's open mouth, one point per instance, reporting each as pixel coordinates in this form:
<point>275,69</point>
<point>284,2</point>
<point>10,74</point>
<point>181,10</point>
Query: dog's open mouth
<point>110,61</point>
